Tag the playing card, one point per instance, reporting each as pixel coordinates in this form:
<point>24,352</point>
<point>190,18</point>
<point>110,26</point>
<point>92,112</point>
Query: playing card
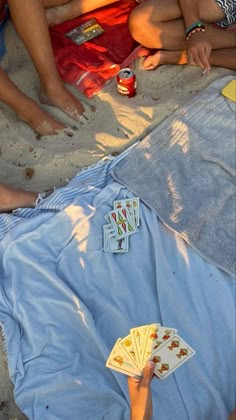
<point>138,335</point>
<point>108,230</point>
<point>118,245</point>
<point>127,344</point>
<point>108,219</point>
<point>120,361</point>
<point>136,210</point>
<point>127,203</point>
<point>122,223</point>
<point>171,356</point>
<point>85,32</point>
<point>155,338</point>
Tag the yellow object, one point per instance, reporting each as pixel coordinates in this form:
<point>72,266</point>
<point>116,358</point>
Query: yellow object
<point>230,90</point>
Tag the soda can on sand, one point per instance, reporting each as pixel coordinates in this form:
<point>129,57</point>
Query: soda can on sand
<point>126,82</point>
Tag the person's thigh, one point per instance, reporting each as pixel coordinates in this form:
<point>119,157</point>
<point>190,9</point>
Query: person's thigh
<point>210,11</point>
<point>158,11</point>
<point>54,3</point>
<point>166,10</point>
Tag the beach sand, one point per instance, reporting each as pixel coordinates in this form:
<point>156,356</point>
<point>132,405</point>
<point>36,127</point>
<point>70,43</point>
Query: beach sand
<point>116,122</point>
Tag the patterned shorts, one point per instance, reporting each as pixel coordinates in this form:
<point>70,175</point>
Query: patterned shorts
<point>229,8</point>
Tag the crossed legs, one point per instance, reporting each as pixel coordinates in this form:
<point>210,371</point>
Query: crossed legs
<point>159,25</point>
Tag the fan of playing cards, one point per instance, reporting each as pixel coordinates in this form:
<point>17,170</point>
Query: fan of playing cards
<point>122,221</point>
<point>149,342</point>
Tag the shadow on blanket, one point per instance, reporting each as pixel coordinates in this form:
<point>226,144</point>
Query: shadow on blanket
<point>64,302</point>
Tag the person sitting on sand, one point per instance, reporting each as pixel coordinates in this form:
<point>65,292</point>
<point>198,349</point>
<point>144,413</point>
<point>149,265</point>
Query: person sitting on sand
<point>30,21</point>
<point>182,31</point>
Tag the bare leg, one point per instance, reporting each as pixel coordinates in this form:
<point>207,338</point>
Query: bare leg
<point>30,22</point>
<point>173,51</point>
<point>219,58</point>
<point>27,109</point>
<point>12,198</point>
<point>159,25</point>
<point>62,10</point>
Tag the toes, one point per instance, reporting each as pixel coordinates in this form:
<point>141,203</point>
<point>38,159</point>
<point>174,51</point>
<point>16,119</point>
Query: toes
<point>152,61</point>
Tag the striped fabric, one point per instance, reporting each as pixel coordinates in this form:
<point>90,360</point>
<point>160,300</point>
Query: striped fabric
<point>229,8</point>
<point>96,176</point>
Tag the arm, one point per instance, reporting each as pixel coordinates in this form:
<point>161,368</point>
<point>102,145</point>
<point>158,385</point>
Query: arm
<point>198,45</point>
<point>140,394</point>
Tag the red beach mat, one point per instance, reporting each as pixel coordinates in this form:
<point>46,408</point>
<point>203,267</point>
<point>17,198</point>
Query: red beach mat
<point>90,66</point>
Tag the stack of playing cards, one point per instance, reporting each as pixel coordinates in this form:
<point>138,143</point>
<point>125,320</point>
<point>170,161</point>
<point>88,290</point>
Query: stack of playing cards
<point>122,221</point>
<point>85,32</point>
<point>150,342</point>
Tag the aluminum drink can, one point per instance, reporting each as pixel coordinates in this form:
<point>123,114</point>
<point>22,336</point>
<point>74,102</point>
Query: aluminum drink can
<point>126,82</point>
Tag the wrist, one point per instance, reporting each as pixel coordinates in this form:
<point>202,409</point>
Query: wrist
<point>194,25</point>
<point>194,28</point>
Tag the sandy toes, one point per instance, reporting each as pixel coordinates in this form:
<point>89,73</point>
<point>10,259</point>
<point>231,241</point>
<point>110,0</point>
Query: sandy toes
<point>152,61</point>
<point>39,120</point>
<point>63,99</point>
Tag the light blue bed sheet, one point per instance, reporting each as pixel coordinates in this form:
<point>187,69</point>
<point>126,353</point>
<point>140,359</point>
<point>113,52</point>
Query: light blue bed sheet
<point>64,302</point>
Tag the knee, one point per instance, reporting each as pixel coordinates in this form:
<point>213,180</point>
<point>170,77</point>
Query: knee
<point>137,24</point>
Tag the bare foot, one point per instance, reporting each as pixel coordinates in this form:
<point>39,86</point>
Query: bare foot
<point>38,119</point>
<point>164,57</point>
<point>60,97</point>
<point>12,198</point>
<point>152,61</point>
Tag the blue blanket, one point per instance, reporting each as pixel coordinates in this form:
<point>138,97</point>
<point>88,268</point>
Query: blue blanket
<point>64,302</point>
<point>185,171</point>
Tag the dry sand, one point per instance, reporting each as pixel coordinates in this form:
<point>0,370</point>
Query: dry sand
<point>116,123</point>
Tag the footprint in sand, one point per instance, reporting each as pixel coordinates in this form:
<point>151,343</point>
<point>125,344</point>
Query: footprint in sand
<point>21,155</point>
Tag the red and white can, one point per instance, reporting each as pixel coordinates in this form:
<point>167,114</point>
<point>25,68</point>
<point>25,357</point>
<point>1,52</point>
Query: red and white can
<point>126,82</point>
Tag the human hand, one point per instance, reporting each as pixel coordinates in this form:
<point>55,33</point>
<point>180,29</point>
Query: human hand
<point>199,51</point>
<point>140,394</point>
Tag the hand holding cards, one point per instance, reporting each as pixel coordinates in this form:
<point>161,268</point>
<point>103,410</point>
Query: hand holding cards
<point>122,221</point>
<point>149,342</point>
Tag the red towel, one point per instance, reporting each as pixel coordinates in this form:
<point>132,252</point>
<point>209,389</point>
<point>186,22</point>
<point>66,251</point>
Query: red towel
<point>89,66</point>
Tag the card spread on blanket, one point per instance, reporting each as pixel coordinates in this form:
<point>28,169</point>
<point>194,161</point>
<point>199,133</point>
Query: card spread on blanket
<point>122,222</point>
<point>153,342</point>
<point>85,32</point>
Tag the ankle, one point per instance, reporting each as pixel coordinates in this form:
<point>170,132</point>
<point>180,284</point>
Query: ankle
<point>28,110</point>
<point>51,87</point>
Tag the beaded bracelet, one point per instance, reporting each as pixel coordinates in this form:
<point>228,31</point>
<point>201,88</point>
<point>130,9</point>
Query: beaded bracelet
<point>197,24</point>
<point>193,32</point>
